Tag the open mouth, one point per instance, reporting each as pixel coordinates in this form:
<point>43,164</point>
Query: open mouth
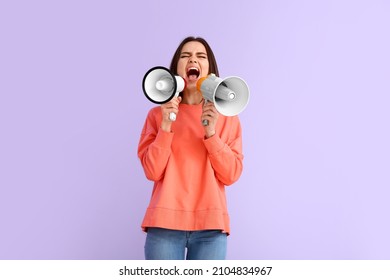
<point>193,73</point>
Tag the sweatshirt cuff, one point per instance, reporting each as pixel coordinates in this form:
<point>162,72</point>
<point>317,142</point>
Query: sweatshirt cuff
<point>164,139</point>
<point>214,144</point>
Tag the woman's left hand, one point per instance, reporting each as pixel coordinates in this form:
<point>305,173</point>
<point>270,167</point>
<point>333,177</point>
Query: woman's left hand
<point>210,114</point>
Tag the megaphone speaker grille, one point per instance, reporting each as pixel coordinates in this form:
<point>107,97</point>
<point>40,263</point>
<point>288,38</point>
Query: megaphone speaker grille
<point>238,104</point>
<point>159,75</point>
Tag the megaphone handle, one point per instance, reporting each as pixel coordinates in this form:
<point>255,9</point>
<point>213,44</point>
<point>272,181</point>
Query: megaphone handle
<point>205,122</point>
<point>172,116</point>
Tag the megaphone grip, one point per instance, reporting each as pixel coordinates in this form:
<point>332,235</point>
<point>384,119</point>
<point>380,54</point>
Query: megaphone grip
<point>205,122</point>
<point>172,116</point>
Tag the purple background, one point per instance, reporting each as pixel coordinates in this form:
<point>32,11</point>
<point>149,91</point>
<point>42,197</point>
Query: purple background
<point>316,132</point>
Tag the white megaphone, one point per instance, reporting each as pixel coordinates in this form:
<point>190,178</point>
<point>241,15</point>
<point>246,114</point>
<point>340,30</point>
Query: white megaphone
<point>230,95</point>
<point>160,85</point>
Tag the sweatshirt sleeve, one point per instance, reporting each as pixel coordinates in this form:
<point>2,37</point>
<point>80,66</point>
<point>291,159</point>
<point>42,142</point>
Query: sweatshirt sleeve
<point>226,156</point>
<point>154,149</point>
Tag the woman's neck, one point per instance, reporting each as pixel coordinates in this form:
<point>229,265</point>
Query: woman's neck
<point>192,97</point>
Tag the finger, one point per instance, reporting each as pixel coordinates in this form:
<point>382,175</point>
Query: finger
<point>209,105</point>
<point>209,117</point>
<point>174,110</point>
<point>175,102</point>
<point>170,105</point>
<point>211,112</point>
<point>169,108</point>
<point>210,109</point>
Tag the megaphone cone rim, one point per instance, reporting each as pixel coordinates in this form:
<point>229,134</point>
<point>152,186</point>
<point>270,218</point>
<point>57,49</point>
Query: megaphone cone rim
<point>146,75</point>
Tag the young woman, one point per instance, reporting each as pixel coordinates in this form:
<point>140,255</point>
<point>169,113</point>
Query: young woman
<point>190,165</point>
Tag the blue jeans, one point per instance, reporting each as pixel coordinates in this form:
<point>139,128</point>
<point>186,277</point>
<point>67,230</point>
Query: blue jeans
<point>166,244</point>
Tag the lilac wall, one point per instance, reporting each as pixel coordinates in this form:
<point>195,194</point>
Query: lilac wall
<point>316,132</point>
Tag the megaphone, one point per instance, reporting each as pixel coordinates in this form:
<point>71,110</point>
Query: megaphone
<point>230,95</point>
<point>160,85</point>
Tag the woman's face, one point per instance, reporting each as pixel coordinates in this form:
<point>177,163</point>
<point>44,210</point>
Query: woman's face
<point>193,63</point>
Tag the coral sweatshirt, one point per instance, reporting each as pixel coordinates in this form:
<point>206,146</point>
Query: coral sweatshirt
<point>189,171</point>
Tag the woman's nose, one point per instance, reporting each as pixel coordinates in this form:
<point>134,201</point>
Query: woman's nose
<point>193,60</point>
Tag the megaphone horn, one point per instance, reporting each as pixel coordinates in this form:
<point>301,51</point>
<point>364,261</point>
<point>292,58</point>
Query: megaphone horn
<point>230,95</point>
<point>160,85</point>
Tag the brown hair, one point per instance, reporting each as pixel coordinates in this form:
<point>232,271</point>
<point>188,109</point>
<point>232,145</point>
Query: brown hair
<point>213,68</point>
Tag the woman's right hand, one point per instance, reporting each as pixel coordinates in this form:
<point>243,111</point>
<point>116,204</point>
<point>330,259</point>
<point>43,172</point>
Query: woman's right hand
<point>170,107</point>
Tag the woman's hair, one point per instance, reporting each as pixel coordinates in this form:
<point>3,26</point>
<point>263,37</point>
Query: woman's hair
<point>213,68</point>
